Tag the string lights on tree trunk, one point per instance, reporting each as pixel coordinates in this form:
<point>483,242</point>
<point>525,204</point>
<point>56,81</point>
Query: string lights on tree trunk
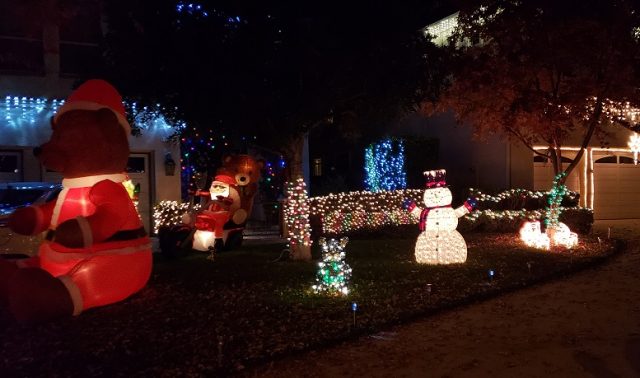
<point>296,216</point>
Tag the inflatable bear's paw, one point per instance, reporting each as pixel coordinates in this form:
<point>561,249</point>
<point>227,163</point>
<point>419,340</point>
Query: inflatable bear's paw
<point>24,220</point>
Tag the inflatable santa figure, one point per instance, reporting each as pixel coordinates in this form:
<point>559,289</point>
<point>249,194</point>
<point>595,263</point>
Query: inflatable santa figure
<point>224,201</point>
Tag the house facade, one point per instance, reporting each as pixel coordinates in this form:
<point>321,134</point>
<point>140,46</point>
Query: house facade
<point>39,67</point>
<point>606,176</point>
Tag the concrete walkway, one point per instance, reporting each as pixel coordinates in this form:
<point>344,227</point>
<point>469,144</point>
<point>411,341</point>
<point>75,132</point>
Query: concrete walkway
<point>587,325</point>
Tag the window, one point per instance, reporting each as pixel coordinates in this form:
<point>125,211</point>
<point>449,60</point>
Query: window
<point>544,159</point>
<point>613,159</point>
<point>20,38</point>
<point>136,165</point>
<point>626,160</point>
<point>9,164</point>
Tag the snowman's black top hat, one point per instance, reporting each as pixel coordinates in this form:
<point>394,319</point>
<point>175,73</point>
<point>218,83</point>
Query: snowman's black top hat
<point>436,178</point>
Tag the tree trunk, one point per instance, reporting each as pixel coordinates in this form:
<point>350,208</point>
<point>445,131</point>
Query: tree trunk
<point>593,123</point>
<point>555,159</point>
<point>294,157</point>
<point>294,171</point>
<point>301,252</point>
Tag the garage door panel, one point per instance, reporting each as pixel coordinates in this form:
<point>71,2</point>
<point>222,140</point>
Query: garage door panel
<point>616,191</point>
<point>616,184</point>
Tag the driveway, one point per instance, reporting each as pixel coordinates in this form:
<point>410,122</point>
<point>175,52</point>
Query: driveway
<point>587,325</point>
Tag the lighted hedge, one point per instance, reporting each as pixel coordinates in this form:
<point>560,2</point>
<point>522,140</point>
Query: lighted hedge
<point>169,213</point>
<point>344,213</point>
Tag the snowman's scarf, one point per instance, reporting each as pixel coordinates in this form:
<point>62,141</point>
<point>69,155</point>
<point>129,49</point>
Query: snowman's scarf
<point>425,212</point>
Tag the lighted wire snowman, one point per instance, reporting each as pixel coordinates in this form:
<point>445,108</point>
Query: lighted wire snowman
<point>439,242</point>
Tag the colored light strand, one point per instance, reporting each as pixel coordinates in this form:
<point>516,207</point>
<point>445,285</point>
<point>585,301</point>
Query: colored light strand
<point>341,213</point>
<point>514,194</point>
<point>350,211</point>
<point>556,195</point>
<point>296,214</point>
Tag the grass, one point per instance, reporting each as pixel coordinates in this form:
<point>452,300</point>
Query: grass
<point>202,317</point>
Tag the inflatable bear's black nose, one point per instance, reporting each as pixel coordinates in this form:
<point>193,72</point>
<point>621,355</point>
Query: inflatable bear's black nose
<point>37,151</point>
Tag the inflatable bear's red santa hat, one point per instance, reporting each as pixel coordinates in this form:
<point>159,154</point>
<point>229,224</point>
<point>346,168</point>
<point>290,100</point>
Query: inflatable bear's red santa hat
<point>95,95</point>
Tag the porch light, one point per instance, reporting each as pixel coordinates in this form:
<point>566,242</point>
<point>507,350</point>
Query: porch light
<point>169,165</point>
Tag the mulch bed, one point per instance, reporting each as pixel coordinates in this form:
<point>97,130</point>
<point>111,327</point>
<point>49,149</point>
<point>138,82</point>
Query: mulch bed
<point>198,317</point>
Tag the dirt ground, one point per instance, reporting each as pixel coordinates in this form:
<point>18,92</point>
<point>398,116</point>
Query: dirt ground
<point>587,325</point>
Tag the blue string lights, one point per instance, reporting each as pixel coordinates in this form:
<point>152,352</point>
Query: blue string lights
<point>384,166</point>
<point>192,9</point>
<point>197,10</point>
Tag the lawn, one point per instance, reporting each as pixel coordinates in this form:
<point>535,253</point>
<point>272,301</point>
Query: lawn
<point>202,317</point>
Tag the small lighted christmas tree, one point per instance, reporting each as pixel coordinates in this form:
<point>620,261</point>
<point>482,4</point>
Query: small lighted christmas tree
<point>333,273</point>
<point>558,233</point>
<point>296,214</point>
<point>556,194</point>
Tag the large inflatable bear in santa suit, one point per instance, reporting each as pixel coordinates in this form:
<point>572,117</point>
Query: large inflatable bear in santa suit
<point>96,251</point>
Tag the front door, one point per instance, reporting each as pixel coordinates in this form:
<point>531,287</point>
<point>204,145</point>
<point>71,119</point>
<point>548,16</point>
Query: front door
<point>139,173</point>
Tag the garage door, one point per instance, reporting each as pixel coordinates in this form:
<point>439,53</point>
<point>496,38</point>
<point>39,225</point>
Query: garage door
<point>616,187</point>
<point>10,166</point>
<point>138,171</point>
<point>543,175</point>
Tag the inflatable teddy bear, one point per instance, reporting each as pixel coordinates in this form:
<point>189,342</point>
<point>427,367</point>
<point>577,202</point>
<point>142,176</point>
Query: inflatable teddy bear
<point>246,171</point>
<point>96,251</point>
